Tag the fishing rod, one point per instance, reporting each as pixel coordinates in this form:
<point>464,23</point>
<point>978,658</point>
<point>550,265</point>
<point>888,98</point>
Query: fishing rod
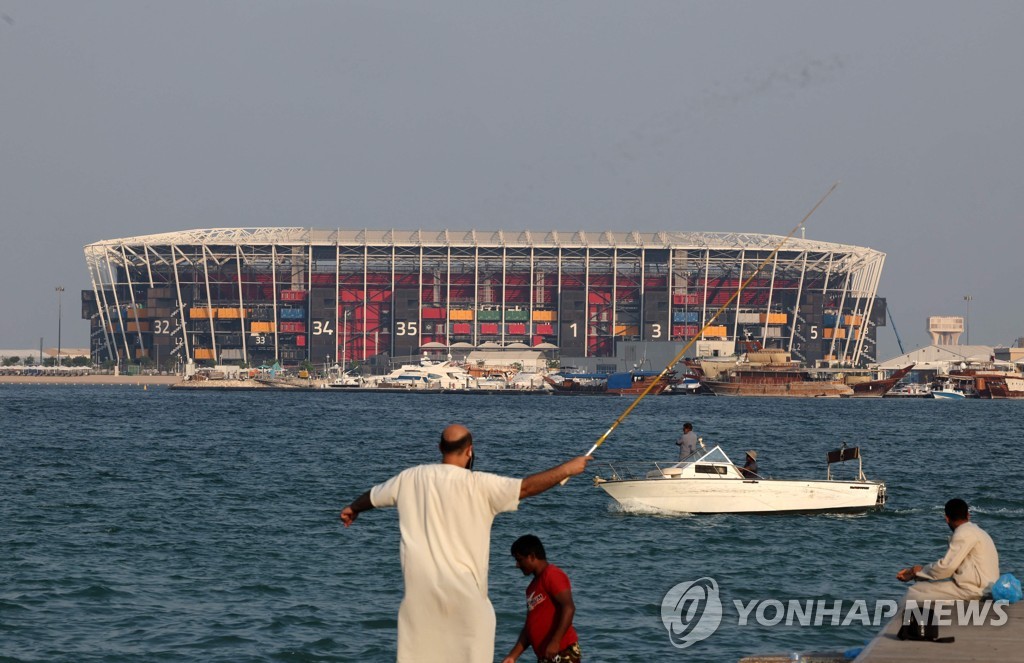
<point>708,323</point>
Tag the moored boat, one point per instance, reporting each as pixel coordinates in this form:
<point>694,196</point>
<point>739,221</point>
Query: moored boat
<point>1005,387</point>
<point>634,383</point>
<point>689,384</point>
<point>793,383</point>
<point>345,381</point>
<point>708,482</point>
<point>910,390</point>
<point>948,391</point>
<point>625,383</point>
<point>768,372</point>
<point>879,388</point>
<point>578,383</point>
<point>424,377</point>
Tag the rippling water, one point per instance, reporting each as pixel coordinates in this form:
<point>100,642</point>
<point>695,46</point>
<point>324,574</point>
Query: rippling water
<point>166,525</point>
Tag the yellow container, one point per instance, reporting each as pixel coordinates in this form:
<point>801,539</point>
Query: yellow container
<point>262,328</point>
<point>137,327</point>
<point>203,353</point>
<point>460,314</point>
<point>202,313</point>
<point>835,333</point>
<point>626,330</point>
<point>854,320</point>
<point>715,330</point>
<point>774,318</point>
<point>230,313</point>
<point>545,316</point>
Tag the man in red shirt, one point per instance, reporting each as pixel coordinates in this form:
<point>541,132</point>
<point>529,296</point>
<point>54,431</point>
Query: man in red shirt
<point>549,607</point>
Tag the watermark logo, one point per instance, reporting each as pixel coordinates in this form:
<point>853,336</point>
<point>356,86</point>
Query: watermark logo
<point>691,611</point>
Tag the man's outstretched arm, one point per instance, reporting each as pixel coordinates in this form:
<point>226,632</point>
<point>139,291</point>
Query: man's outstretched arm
<point>352,511</point>
<point>538,483</point>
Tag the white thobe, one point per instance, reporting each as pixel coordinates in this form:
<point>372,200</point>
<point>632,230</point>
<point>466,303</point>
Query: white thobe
<point>445,514</point>
<point>971,564</point>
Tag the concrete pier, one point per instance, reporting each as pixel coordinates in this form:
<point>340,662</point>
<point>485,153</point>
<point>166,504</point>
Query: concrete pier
<point>983,642</point>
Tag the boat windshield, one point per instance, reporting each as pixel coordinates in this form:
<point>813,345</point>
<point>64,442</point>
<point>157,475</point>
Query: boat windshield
<point>716,455</point>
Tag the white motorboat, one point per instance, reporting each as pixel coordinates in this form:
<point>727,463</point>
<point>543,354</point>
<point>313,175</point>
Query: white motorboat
<point>687,385</point>
<point>948,391</point>
<point>345,381</point>
<point>708,482</point>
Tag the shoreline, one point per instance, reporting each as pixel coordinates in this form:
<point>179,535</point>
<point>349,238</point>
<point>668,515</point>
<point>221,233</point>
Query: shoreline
<point>133,380</point>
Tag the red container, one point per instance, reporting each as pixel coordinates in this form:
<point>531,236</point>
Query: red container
<point>517,329</point>
<point>433,314</point>
<point>461,328</point>
<point>545,329</point>
<point>300,340</point>
<point>490,328</point>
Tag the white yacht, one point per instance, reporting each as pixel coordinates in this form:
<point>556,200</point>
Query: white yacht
<point>434,377</point>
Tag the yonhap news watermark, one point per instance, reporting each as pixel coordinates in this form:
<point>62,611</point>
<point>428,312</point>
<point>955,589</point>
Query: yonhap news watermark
<point>692,611</point>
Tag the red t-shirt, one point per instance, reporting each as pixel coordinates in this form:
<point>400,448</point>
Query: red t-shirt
<point>541,608</point>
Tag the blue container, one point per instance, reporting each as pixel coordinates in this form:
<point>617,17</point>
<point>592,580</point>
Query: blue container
<point>685,316</point>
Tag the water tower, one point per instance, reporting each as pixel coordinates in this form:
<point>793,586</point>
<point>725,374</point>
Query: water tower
<point>945,329</point>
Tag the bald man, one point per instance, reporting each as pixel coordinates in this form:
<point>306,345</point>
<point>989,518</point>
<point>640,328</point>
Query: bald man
<point>445,513</point>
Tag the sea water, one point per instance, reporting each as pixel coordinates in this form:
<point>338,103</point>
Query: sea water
<point>162,525</point>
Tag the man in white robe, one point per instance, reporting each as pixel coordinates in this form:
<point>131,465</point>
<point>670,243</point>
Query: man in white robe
<point>968,569</point>
<point>445,512</point>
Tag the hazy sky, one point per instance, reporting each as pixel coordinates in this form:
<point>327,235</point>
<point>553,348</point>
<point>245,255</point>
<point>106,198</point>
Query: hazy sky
<point>130,117</point>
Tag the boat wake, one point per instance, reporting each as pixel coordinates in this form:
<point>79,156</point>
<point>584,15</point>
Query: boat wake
<point>635,508</point>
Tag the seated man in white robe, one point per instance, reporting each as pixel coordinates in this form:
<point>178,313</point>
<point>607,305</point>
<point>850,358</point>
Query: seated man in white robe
<point>968,569</point>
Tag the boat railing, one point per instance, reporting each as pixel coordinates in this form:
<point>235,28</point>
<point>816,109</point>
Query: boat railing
<point>635,469</point>
<point>653,469</point>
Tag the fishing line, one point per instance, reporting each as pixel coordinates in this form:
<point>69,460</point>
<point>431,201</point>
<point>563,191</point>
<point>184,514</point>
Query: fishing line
<point>708,323</point>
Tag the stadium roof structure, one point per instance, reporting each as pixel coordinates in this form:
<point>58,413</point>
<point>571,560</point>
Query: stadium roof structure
<point>489,238</point>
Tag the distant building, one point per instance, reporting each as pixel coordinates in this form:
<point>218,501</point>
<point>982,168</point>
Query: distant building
<point>934,360</point>
<point>34,354</point>
<point>260,295</point>
<point>945,329</point>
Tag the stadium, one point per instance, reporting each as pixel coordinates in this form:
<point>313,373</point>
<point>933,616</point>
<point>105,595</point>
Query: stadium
<point>260,295</point>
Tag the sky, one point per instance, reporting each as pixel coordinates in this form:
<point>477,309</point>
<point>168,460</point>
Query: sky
<point>129,117</point>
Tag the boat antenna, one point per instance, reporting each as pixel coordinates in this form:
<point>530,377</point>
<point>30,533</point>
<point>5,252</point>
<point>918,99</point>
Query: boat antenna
<point>708,323</point>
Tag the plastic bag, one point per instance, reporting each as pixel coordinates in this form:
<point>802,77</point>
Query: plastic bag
<point>1007,588</point>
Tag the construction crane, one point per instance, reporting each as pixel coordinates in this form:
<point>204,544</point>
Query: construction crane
<point>888,310</point>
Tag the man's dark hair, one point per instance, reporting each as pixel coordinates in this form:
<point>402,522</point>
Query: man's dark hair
<point>451,446</point>
<point>687,426</point>
<point>527,545</point>
<point>956,509</point>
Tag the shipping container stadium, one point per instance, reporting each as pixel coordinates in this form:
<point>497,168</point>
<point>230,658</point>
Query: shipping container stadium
<point>260,295</point>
